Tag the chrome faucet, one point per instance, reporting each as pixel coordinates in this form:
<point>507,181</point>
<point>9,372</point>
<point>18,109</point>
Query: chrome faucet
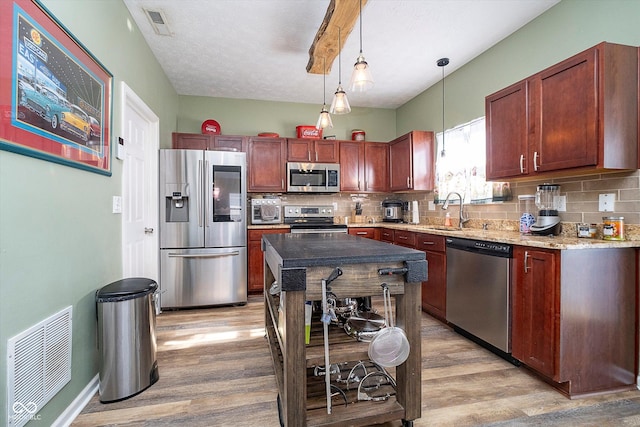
<point>463,219</point>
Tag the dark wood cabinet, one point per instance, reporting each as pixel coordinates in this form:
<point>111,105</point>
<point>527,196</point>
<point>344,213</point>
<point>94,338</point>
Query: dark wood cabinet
<point>312,150</point>
<point>387,235</point>
<point>190,141</point>
<point>194,141</point>
<point>255,261</point>
<point>367,232</point>
<point>404,238</point>
<point>507,132</point>
<point>234,142</point>
<point>536,302</point>
<point>434,289</point>
<point>574,317</point>
<point>376,166</point>
<point>411,162</point>
<point>364,166</point>
<point>580,115</point>
<point>266,161</point>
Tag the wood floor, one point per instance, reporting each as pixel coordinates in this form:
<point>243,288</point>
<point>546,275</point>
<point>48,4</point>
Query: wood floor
<point>215,370</point>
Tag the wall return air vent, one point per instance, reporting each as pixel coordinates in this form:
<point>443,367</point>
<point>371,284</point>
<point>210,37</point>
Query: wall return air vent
<point>39,365</point>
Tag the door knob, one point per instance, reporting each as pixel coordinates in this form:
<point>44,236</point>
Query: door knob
<point>148,230</point>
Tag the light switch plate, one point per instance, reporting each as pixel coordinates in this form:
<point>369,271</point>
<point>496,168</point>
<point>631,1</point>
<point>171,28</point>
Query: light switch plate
<point>117,205</point>
<point>606,202</point>
<point>560,203</point>
<point>431,205</point>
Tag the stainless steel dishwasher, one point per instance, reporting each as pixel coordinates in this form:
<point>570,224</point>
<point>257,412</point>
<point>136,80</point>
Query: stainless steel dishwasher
<point>478,292</point>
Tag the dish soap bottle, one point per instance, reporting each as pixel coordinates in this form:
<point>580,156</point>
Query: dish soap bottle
<point>447,220</point>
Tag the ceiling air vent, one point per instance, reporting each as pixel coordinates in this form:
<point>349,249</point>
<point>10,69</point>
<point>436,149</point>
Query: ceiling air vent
<point>158,21</point>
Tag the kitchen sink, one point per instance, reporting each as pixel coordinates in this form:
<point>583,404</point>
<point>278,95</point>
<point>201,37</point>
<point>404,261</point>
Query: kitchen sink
<point>442,228</point>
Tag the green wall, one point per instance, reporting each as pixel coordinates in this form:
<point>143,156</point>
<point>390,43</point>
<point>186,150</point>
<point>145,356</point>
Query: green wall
<point>59,241</point>
<point>250,117</point>
<point>569,27</point>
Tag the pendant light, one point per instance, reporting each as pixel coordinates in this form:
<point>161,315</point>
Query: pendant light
<point>324,121</point>
<point>340,103</point>
<point>361,79</point>
<point>443,62</point>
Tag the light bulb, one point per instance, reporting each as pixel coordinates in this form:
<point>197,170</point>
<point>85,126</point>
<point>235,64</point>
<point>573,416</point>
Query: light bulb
<point>361,79</point>
<point>324,121</point>
<point>340,103</point>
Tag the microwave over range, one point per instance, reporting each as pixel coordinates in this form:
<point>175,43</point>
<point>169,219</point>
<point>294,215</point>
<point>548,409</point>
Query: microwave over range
<point>313,177</point>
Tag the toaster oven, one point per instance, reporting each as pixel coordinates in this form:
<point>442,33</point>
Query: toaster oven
<point>266,211</point>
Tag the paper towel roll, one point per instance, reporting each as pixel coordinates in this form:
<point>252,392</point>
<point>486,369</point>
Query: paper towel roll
<point>415,213</point>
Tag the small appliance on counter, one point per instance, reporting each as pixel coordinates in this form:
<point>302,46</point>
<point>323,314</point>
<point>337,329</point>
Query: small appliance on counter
<point>548,222</point>
<point>392,210</point>
<point>267,210</point>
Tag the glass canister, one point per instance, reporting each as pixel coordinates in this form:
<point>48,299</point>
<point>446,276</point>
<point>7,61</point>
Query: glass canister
<point>613,227</point>
<point>526,204</point>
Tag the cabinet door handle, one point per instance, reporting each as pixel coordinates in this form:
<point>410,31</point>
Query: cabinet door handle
<point>428,243</point>
<point>526,261</point>
<point>403,237</point>
<point>309,155</point>
<point>521,163</point>
<point>535,161</point>
<point>316,156</point>
<point>361,233</point>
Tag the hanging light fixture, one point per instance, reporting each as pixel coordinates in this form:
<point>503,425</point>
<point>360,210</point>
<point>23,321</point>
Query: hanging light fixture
<point>361,79</point>
<point>324,121</point>
<point>443,62</point>
<point>340,103</point>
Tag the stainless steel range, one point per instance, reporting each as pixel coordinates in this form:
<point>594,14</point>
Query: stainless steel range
<point>312,219</point>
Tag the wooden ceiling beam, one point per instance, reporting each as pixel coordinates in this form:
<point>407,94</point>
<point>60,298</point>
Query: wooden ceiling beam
<point>342,14</point>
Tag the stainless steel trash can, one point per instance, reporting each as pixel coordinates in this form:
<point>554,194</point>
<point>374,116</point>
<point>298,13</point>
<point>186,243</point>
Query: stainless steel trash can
<point>126,338</point>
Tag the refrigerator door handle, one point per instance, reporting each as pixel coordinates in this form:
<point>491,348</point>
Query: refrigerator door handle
<point>234,253</point>
<point>199,193</point>
<point>208,197</point>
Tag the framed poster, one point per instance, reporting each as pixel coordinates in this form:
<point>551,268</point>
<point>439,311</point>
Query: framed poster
<point>55,96</point>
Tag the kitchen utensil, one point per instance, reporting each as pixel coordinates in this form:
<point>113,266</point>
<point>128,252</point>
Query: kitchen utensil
<point>363,326</point>
<point>390,347</point>
<point>326,319</point>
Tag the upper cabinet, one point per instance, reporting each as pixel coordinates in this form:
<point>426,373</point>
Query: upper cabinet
<point>266,163</point>
<point>194,141</point>
<point>364,166</point>
<point>312,150</point>
<point>411,162</point>
<point>578,116</point>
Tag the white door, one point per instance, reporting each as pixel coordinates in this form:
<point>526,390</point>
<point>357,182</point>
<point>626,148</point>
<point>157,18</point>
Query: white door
<point>139,188</point>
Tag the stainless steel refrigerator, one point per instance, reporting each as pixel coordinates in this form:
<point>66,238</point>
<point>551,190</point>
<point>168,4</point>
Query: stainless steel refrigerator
<point>203,243</point>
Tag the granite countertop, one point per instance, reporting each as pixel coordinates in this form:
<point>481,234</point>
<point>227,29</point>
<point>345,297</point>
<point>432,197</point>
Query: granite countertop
<point>502,236</point>
<point>515,238</point>
<point>330,249</point>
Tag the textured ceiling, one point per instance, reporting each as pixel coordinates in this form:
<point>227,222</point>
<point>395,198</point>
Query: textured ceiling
<point>259,49</point>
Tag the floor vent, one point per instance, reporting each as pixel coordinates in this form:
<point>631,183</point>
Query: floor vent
<point>39,365</point>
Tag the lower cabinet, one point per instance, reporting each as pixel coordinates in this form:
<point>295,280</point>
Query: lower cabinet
<point>536,303</point>
<point>434,290</point>
<point>387,235</point>
<point>574,317</point>
<point>367,232</point>
<point>255,263</point>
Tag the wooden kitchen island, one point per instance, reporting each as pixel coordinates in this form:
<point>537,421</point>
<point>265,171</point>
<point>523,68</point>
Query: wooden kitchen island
<point>299,262</point>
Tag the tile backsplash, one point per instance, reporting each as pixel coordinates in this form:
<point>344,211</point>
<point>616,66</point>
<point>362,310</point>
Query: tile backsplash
<point>582,194</point>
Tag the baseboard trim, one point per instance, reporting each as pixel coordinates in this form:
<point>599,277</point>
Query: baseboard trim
<point>66,418</point>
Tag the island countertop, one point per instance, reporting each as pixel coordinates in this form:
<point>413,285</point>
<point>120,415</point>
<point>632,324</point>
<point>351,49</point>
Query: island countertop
<point>331,249</point>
